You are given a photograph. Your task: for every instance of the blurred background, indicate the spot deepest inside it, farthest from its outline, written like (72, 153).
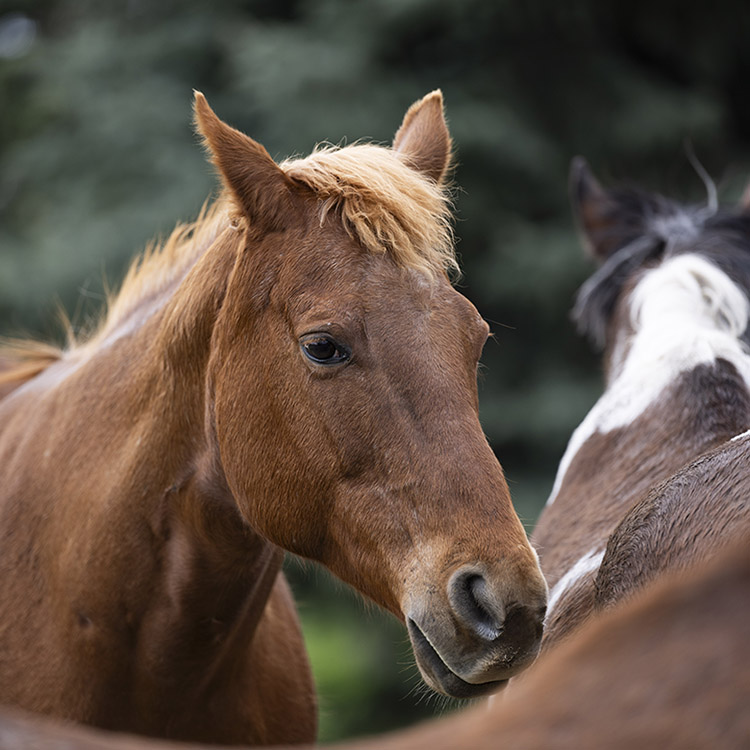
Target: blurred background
(98, 156)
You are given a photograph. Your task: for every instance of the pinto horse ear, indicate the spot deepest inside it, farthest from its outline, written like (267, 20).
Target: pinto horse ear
(423, 138)
(594, 210)
(259, 186)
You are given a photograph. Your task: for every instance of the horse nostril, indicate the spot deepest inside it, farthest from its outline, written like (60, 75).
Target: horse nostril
(474, 604)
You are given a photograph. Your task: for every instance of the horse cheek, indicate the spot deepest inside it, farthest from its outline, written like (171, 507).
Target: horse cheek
(271, 469)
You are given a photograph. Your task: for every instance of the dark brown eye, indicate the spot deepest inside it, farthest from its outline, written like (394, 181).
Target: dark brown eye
(323, 350)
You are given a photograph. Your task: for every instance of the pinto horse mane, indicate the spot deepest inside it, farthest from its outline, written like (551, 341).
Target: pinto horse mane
(381, 201)
(654, 228)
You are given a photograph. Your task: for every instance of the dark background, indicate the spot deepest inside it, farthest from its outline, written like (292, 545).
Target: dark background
(97, 156)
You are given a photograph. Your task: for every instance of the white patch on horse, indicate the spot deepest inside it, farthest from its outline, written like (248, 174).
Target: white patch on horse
(742, 435)
(684, 313)
(585, 565)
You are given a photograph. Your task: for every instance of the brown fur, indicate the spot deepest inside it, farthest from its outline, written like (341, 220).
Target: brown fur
(603, 485)
(670, 669)
(688, 518)
(153, 470)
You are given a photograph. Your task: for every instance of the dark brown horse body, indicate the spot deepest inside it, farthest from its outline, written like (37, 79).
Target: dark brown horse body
(670, 305)
(669, 669)
(293, 371)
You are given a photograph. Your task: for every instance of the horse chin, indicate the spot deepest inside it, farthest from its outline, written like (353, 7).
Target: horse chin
(439, 676)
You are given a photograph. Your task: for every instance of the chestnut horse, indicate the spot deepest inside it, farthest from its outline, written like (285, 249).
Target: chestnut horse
(669, 669)
(669, 305)
(295, 372)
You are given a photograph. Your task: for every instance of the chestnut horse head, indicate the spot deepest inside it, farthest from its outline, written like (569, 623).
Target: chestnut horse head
(342, 394)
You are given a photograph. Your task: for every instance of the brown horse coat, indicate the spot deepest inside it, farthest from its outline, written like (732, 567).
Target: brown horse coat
(688, 518)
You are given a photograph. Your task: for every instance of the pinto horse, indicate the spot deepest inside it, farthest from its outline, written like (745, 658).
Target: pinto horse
(669, 669)
(293, 371)
(669, 306)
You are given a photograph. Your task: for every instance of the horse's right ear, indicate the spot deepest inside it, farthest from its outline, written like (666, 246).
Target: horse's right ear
(423, 139)
(595, 212)
(259, 186)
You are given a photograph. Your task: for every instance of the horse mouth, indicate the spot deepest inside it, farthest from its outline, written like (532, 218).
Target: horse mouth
(438, 675)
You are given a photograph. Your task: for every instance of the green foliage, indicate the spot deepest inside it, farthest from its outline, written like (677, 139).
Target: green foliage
(97, 156)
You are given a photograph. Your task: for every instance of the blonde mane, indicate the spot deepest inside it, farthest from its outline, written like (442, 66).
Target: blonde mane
(160, 266)
(382, 202)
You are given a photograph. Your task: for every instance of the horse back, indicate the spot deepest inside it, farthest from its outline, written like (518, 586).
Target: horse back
(615, 477)
(682, 521)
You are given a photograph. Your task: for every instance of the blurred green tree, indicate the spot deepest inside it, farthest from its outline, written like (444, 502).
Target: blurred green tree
(97, 156)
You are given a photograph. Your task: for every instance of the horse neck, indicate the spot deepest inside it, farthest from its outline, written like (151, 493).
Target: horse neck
(218, 572)
(164, 346)
(177, 414)
(118, 432)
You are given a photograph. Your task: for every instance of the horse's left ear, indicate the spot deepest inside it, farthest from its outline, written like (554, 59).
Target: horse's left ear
(423, 138)
(260, 187)
(597, 215)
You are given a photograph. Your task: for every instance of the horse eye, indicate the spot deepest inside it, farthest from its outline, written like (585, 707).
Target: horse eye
(323, 350)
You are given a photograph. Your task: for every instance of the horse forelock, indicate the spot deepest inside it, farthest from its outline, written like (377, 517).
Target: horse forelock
(383, 203)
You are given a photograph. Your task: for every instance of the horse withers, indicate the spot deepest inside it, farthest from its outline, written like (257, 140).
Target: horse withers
(292, 371)
(669, 307)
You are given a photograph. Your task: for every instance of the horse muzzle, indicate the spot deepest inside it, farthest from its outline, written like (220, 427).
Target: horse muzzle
(480, 637)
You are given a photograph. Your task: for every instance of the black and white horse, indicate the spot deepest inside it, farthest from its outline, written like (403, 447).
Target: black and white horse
(669, 307)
